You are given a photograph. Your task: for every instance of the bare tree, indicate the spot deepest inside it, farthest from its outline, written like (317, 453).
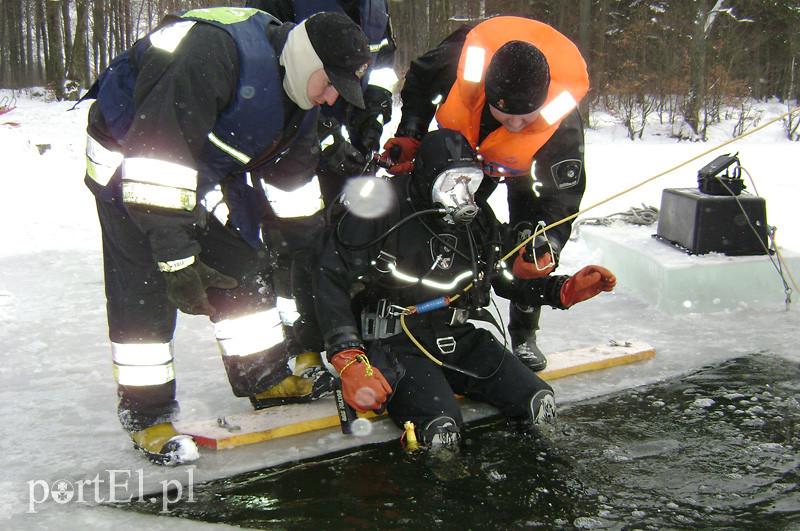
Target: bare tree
(55, 46)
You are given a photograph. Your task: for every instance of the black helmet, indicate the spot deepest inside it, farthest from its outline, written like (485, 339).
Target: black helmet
(447, 173)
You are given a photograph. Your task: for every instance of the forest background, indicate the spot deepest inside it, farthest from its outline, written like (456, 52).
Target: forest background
(687, 63)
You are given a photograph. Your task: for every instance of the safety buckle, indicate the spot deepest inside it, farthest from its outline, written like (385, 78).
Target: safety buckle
(384, 262)
(385, 310)
(541, 240)
(446, 345)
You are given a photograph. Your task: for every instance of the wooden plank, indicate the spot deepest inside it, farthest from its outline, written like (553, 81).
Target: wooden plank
(284, 421)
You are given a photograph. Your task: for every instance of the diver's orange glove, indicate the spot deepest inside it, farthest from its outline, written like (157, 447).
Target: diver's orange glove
(363, 386)
(586, 283)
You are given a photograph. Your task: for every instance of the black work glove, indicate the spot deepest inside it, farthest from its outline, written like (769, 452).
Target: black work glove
(186, 288)
(367, 124)
(342, 159)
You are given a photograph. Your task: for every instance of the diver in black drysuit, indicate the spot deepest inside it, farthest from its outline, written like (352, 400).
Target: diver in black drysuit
(366, 271)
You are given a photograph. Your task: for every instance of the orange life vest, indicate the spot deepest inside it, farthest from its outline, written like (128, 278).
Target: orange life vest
(462, 109)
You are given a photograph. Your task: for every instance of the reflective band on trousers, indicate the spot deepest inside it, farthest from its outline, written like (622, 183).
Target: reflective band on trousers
(169, 37)
(300, 202)
(249, 334)
(140, 364)
(101, 163)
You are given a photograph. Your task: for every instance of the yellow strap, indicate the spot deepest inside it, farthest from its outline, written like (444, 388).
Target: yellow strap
(361, 358)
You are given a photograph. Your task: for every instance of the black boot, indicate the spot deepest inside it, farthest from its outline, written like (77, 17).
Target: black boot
(522, 326)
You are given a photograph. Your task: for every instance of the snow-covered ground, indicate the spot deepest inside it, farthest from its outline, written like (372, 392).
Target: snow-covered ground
(57, 394)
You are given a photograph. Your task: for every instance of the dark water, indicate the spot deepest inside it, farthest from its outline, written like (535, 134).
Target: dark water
(716, 449)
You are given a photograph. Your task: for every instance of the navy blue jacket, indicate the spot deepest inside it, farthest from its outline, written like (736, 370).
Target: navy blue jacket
(222, 86)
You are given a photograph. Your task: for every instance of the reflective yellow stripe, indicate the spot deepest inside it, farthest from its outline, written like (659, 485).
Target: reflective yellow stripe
(169, 37)
(326, 142)
(233, 152)
(160, 172)
(373, 48)
(141, 353)
(249, 334)
(175, 265)
(135, 375)
(101, 163)
(300, 202)
(158, 196)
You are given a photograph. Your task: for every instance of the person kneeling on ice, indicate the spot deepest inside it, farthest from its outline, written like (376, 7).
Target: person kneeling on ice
(414, 276)
(225, 99)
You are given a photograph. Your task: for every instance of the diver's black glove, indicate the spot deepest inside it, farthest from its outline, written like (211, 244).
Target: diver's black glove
(341, 158)
(186, 287)
(367, 124)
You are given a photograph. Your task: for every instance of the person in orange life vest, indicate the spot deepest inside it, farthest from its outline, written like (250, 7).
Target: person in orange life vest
(511, 86)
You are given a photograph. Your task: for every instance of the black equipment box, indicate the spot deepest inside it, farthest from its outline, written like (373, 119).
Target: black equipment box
(700, 223)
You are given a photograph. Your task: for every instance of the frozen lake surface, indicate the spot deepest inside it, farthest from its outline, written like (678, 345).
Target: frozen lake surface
(57, 394)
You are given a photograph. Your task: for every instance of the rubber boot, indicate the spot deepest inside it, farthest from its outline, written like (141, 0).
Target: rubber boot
(161, 444)
(309, 381)
(522, 326)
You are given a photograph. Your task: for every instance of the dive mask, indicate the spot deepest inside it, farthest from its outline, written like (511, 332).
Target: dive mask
(455, 189)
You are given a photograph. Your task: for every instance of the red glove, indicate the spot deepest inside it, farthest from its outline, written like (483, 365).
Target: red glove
(363, 386)
(586, 283)
(527, 270)
(399, 152)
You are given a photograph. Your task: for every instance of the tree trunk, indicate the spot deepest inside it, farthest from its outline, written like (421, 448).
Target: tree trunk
(41, 41)
(697, 61)
(30, 73)
(65, 16)
(56, 47)
(99, 37)
(79, 66)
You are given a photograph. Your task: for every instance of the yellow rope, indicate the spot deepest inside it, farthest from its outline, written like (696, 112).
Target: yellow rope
(642, 183)
(362, 358)
(785, 265)
(602, 202)
(417, 343)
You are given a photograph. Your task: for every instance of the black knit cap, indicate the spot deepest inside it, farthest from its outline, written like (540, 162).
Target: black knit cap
(344, 51)
(517, 78)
